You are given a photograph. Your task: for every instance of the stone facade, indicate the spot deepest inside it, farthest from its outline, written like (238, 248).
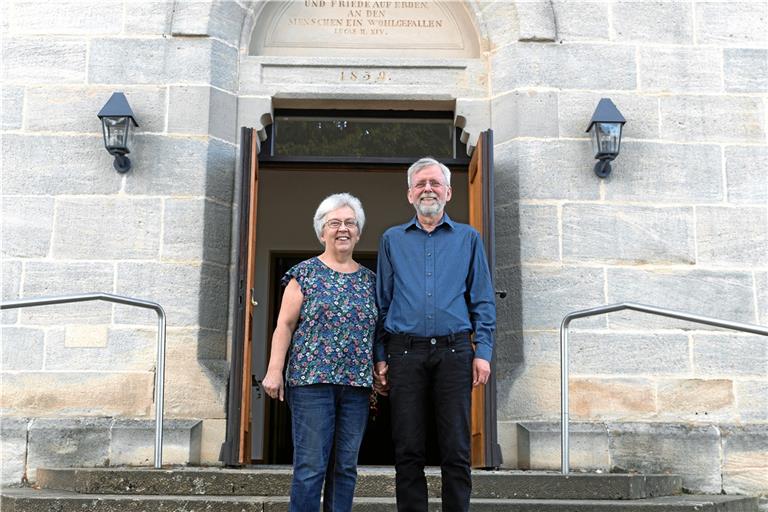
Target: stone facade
(682, 222)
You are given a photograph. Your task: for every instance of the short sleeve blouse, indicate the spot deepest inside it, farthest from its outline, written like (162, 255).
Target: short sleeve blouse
(333, 340)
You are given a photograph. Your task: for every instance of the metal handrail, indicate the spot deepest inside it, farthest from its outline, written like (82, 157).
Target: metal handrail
(160, 363)
(601, 310)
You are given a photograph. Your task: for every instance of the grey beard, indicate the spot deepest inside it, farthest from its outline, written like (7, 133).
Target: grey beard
(429, 210)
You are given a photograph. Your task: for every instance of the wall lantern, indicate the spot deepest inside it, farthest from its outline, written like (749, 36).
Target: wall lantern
(116, 119)
(606, 125)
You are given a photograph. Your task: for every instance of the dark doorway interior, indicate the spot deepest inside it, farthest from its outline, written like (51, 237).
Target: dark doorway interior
(377, 448)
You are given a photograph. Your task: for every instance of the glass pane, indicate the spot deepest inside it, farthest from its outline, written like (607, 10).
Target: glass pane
(363, 137)
(115, 131)
(609, 136)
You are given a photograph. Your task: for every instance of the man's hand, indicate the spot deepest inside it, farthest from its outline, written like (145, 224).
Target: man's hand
(380, 383)
(481, 370)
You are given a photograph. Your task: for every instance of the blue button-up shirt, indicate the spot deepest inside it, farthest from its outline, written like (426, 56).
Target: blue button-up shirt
(434, 284)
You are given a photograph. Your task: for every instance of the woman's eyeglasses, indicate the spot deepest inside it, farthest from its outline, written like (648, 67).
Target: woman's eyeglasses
(336, 224)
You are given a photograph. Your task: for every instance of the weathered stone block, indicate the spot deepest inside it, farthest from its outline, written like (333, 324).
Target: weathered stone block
(148, 17)
(193, 345)
(718, 294)
(74, 108)
(111, 227)
(652, 22)
(12, 104)
(538, 445)
(745, 70)
(732, 235)
(132, 442)
(513, 112)
(628, 234)
(746, 170)
(747, 174)
(752, 399)
(666, 172)
(41, 394)
(189, 167)
(545, 170)
(214, 430)
(611, 398)
(728, 355)
(43, 60)
(13, 450)
(571, 66)
(70, 17)
(761, 285)
(502, 23)
(696, 400)
(126, 350)
(532, 393)
(731, 23)
(527, 233)
(220, 19)
(211, 243)
(679, 69)
(197, 391)
(22, 349)
(190, 294)
(11, 285)
(745, 464)
(536, 19)
(692, 452)
(60, 443)
(549, 293)
(78, 165)
(202, 110)
(575, 109)
(83, 336)
(581, 21)
(157, 61)
(26, 226)
(712, 119)
(608, 353)
(44, 279)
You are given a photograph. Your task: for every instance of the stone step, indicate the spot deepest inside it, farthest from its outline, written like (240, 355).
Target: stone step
(372, 482)
(34, 500)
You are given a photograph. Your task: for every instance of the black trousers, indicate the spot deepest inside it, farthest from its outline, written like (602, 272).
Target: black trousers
(436, 371)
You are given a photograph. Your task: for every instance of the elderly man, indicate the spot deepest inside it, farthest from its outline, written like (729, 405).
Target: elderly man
(434, 290)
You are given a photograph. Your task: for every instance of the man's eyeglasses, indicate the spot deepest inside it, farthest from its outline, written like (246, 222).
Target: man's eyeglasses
(433, 184)
(336, 224)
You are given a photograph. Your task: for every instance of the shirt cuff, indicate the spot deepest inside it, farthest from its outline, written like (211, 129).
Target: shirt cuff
(483, 351)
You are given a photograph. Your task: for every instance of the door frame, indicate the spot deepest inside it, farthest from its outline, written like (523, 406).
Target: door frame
(241, 381)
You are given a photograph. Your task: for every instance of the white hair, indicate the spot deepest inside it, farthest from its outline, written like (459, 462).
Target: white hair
(334, 202)
(427, 162)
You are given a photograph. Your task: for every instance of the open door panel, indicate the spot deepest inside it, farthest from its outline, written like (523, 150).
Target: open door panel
(485, 449)
(236, 449)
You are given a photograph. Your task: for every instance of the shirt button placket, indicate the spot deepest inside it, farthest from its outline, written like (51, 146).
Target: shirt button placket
(429, 251)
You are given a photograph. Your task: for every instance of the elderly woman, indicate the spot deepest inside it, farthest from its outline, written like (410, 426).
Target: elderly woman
(326, 327)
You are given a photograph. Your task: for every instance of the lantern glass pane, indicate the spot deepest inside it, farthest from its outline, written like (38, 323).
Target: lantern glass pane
(607, 138)
(116, 132)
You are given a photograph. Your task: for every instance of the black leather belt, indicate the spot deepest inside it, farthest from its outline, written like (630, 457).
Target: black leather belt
(440, 341)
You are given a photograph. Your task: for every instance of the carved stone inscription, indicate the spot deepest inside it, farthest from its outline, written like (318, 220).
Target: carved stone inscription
(364, 27)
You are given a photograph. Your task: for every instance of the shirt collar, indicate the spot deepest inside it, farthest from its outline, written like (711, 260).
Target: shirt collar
(414, 222)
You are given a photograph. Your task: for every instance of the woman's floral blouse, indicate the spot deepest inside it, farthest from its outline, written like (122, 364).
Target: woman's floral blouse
(333, 341)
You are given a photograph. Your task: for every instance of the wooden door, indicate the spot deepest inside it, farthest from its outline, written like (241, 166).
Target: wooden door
(485, 448)
(237, 447)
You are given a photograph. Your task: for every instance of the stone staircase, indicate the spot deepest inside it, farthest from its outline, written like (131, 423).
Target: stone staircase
(189, 489)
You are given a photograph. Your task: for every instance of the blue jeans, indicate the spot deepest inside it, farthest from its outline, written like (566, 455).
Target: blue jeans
(328, 422)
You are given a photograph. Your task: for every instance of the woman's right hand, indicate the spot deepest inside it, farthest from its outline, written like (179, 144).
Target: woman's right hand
(273, 384)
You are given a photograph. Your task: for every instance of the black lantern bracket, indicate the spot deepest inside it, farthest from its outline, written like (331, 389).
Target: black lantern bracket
(117, 122)
(605, 129)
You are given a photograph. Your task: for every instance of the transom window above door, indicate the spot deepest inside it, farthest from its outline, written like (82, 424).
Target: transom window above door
(362, 137)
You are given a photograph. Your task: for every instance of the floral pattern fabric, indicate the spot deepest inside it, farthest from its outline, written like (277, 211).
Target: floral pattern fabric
(333, 340)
